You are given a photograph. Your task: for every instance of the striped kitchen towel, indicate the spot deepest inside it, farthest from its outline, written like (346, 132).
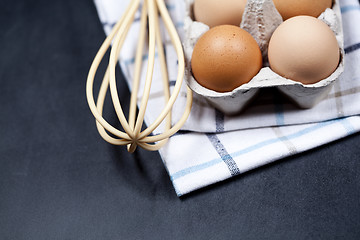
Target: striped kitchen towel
(211, 146)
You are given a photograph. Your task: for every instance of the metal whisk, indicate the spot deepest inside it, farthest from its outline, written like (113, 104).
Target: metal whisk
(132, 135)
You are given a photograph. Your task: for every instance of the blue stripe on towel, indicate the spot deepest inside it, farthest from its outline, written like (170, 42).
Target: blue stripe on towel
(348, 126)
(195, 168)
(172, 83)
(132, 60)
(108, 24)
(170, 7)
(225, 156)
(284, 138)
(219, 120)
(279, 109)
(179, 24)
(352, 48)
(350, 8)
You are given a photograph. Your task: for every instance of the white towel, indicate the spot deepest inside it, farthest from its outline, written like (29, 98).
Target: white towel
(212, 147)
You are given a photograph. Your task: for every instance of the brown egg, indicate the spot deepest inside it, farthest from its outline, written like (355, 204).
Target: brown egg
(292, 8)
(225, 57)
(303, 49)
(219, 12)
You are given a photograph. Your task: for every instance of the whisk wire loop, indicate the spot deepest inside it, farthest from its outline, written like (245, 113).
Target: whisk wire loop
(133, 136)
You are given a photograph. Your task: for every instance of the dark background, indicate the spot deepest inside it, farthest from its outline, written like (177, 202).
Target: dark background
(60, 180)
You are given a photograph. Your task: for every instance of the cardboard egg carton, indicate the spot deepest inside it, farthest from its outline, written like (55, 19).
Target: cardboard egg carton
(260, 19)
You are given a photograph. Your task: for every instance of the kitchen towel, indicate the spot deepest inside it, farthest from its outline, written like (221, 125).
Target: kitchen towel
(211, 146)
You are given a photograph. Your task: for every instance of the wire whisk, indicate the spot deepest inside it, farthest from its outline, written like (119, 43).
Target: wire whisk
(133, 136)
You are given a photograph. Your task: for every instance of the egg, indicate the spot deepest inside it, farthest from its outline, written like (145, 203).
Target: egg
(303, 49)
(224, 58)
(219, 12)
(292, 8)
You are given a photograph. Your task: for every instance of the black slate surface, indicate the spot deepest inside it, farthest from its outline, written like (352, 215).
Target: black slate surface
(60, 180)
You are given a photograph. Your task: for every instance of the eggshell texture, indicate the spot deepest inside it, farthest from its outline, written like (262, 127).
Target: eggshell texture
(292, 8)
(303, 49)
(219, 12)
(224, 58)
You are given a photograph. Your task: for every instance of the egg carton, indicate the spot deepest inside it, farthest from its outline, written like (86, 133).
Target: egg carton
(260, 19)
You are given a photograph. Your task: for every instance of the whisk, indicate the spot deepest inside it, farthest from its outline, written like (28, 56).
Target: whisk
(133, 136)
